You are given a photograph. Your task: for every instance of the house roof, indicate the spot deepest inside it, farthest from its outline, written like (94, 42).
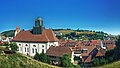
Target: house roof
(59, 51)
(88, 59)
(27, 36)
(109, 47)
(99, 54)
(90, 48)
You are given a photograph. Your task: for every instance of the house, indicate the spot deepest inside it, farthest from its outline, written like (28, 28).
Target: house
(36, 40)
(58, 33)
(87, 50)
(109, 44)
(56, 53)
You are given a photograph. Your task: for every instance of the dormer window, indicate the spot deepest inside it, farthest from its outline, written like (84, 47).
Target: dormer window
(85, 50)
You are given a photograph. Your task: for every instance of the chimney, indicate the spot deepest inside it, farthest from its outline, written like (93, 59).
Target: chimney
(17, 30)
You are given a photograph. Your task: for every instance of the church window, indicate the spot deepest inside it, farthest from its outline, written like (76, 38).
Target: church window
(19, 44)
(36, 50)
(32, 50)
(43, 50)
(25, 49)
(34, 45)
(26, 45)
(42, 45)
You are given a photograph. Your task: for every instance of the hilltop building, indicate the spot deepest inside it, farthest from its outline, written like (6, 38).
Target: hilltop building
(36, 40)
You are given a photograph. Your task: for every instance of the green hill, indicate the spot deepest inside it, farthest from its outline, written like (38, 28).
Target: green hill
(65, 31)
(21, 61)
(9, 33)
(111, 65)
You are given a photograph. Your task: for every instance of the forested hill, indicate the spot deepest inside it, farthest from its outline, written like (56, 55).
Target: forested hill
(9, 33)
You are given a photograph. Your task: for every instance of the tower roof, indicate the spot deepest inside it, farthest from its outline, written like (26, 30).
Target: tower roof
(38, 18)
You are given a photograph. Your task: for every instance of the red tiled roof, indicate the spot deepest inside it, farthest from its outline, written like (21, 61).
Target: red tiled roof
(27, 36)
(109, 47)
(88, 59)
(95, 42)
(59, 51)
(90, 48)
(99, 54)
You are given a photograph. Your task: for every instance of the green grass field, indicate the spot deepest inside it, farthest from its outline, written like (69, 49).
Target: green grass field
(111, 65)
(21, 61)
(65, 31)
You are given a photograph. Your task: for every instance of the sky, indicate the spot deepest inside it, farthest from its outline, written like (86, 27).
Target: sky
(98, 15)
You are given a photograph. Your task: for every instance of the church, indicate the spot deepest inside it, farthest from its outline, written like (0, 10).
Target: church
(36, 40)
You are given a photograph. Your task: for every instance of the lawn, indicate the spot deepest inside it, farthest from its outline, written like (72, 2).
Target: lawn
(65, 31)
(21, 61)
(111, 65)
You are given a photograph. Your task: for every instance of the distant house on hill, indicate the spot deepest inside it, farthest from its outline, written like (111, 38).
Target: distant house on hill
(36, 40)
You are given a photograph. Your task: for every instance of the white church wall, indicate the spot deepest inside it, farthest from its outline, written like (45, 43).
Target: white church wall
(32, 48)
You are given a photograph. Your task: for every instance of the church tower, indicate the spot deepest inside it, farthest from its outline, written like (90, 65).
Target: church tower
(38, 28)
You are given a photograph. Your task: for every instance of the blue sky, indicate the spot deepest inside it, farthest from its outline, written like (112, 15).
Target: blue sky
(100, 15)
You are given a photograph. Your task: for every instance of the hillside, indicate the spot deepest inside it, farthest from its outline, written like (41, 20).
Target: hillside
(111, 65)
(9, 33)
(65, 31)
(21, 61)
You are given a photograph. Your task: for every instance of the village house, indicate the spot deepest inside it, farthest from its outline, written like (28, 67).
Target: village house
(36, 40)
(87, 50)
(56, 53)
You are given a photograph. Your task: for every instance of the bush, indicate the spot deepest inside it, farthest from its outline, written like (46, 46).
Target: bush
(103, 61)
(13, 46)
(76, 66)
(43, 57)
(37, 56)
(66, 61)
(5, 44)
(96, 61)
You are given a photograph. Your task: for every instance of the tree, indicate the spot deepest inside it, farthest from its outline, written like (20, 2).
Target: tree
(6, 44)
(66, 61)
(103, 61)
(37, 56)
(43, 57)
(114, 53)
(96, 61)
(76, 66)
(13, 46)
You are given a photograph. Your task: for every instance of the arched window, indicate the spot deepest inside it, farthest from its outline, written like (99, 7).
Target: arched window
(32, 50)
(19, 44)
(26, 45)
(36, 50)
(34, 45)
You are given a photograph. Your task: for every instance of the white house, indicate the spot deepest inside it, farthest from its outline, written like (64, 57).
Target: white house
(36, 40)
